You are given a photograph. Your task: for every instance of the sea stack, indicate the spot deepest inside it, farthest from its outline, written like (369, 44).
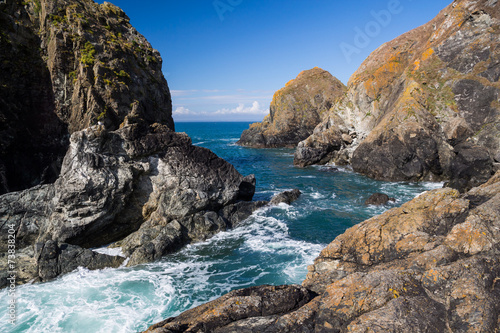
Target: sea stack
(295, 110)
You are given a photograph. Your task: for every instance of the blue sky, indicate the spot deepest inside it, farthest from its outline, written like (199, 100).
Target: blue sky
(224, 59)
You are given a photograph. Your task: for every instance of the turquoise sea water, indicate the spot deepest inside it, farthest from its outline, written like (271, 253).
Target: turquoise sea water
(273, 246)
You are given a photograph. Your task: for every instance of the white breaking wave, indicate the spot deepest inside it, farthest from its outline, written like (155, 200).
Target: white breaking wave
(131, 299)
(117, 251)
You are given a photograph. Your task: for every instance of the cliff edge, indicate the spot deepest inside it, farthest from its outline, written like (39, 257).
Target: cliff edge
(67, 65)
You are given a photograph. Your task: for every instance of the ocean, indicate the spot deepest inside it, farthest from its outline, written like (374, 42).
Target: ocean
(274, 246)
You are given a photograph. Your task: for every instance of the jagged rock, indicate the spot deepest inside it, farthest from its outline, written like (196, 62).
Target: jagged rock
(54, 259)
(378, 199)
(262, 301)
(295, 110)
(326, 144)
(145, 187)
(471, 166)
(418, 97)
(286, 197)
(431, 265)
(65, 66)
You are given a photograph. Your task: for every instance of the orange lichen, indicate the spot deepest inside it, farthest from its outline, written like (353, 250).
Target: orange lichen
(427, 54)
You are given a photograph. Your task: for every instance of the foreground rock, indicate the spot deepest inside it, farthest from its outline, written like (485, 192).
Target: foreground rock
(423, 106)
(263, 301)
(378, 199)
(145, 187)
(65, 66)
(431, 265)
(295, 110)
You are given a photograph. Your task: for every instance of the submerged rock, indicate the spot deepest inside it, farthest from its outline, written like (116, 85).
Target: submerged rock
(416, 99)
(378, 199)
(295, 110)
(431, 265)
(286, 197)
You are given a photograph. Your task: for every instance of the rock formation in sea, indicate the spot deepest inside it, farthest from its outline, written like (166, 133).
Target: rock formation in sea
(431, 265)
(87, 121)
(295, 110)
(423, 106)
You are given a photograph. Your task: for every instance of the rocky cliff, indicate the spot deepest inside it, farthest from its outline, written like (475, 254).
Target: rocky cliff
(86, 117)
(431, 265)
(65, 66)
(423, 106)
(295, 110)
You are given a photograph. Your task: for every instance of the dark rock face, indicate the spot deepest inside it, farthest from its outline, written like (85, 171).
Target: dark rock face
(56, 259)
(328, 143)
(65, 66)
(378, 199)
(295, 110)
(286, 197)
(416, 98)
(471, 166)
(431, 265)
(145, 187)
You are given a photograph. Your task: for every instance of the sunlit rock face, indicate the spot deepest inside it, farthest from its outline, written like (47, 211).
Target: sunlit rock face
(295, 110)
(423, 106)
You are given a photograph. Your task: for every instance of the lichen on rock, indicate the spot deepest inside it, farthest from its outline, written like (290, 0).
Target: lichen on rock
(417, 100)
(431, 265)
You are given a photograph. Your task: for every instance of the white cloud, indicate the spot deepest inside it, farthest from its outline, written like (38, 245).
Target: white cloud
(182, 110)
(241, 109)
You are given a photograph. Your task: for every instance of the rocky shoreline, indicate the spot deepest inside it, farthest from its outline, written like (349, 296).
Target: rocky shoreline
(103, 166)
(431, 265)
(422, 107)
(121, 176)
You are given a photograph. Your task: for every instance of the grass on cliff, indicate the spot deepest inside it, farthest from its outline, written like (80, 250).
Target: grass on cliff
(88, 54)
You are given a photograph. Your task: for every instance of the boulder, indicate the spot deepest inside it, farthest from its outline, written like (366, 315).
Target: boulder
(378, 199)
(295, 110)
(285, 197)
(261, 301)
(54, 259)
